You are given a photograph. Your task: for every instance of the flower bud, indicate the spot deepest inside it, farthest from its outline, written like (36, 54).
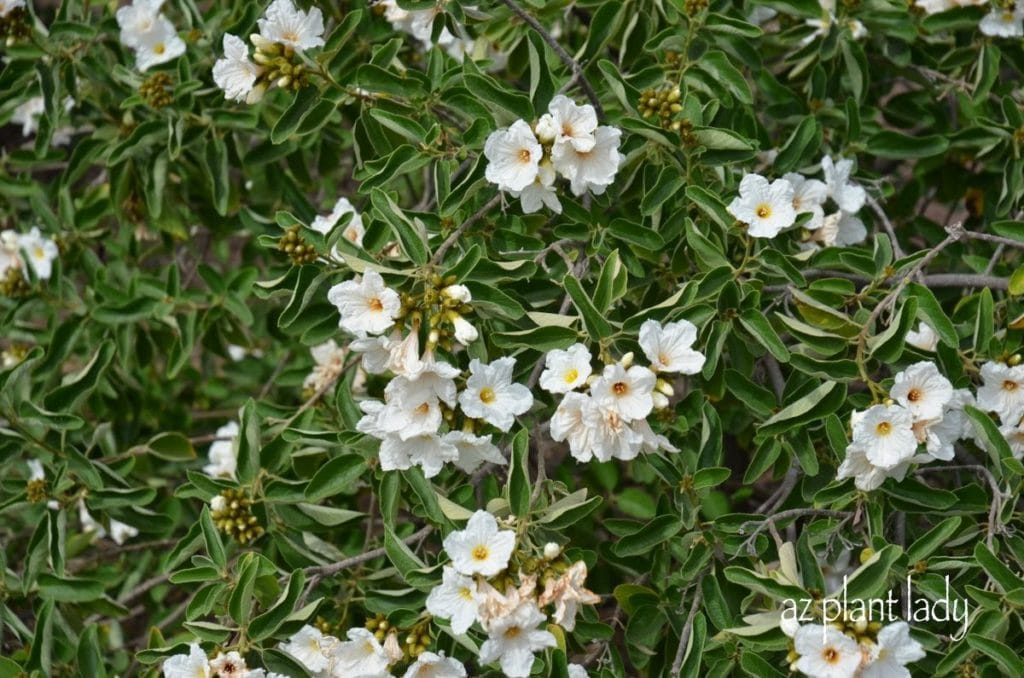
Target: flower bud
(546, 129)
(627, 360)
(660, 401)
(465, 333)
(459, 293)
(218, 504)
(662, 386)
(552, 550)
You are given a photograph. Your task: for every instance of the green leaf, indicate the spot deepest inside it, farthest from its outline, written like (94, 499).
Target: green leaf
(248, 442)
(519, 475)
(304, 101)
(648, 537)
(80, 384)
(763, 584)
(822, 401)
(593, 320)
(758, 326)
(68, 589)
(890, 144)
(996, 569)
(1003, 655)
(264, 625)
(400, 555)
(334, 477)
(171, 446)
(929, 310)
(241, 601)
(411, 238)
(992, 440)
(214, 545)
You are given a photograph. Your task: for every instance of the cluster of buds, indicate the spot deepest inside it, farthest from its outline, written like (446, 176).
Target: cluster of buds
(157, 90)
(695, 7)
(443, 305)
(35, 490)
(14, 284)
(12, 355)
(15, 26)
(662, 103)
(550, 566)
(295, 246)
(280, 65)
(328, 628)
(231, 511)
(416, 638)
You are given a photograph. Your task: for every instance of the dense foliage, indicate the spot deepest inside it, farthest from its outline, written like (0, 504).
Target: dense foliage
(489, 337)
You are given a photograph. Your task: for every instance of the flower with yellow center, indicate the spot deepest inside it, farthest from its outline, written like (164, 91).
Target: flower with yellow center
(766, 208)
(886, 435)
(566, 370)
(481, 548)
(454, 599)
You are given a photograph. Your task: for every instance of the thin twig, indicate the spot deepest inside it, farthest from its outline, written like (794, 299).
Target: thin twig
(887, 225)
(997, 494)
(334, 568)
(786, 515)
(566, 58)
(457, 233)
(684, 637)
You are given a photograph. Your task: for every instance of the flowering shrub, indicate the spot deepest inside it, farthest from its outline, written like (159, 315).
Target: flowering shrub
(508, 337)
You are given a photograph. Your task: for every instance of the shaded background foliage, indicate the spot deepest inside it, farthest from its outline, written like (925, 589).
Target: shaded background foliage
(168, 220)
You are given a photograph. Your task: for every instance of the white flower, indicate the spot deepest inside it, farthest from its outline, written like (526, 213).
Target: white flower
(89, 524)
(628, 392)
(885, 434)
(361, 656)
(566, 370)
(430, 665)
(306, 647)
(540, 193)
(230, 665)
(490, 394)
(513, 157)
(40, 253)
(473, 450)
(1003, 23)
(840, 229)
(577, 671)
(1002, 391)
(7, 6)
(121, 532)
(427, 451)
(159, 45)
(567, 593)
(10, 251)
(940, 435)
(894, 650)
(465, 333)
(825, 652)
(923, 338)
(224, 452)
(867, 476)
(934, 6)
(330, 360)
(808, 197)
(191, 665)
(571, 423)
(923, 390)
(481, 548)
(849, 196)
(611, 435)
(376, 351)
(572, 124)
(136, 20)
(1014, 434)
(766, 208)
(35, 470)
(592, 170)
(284, 24)
(514, 638)
(651, 441)
(27, 115)
(354, 230)
(453, 599)
(367, 306)
(669, 347)
(235, 73)
(459, 293)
